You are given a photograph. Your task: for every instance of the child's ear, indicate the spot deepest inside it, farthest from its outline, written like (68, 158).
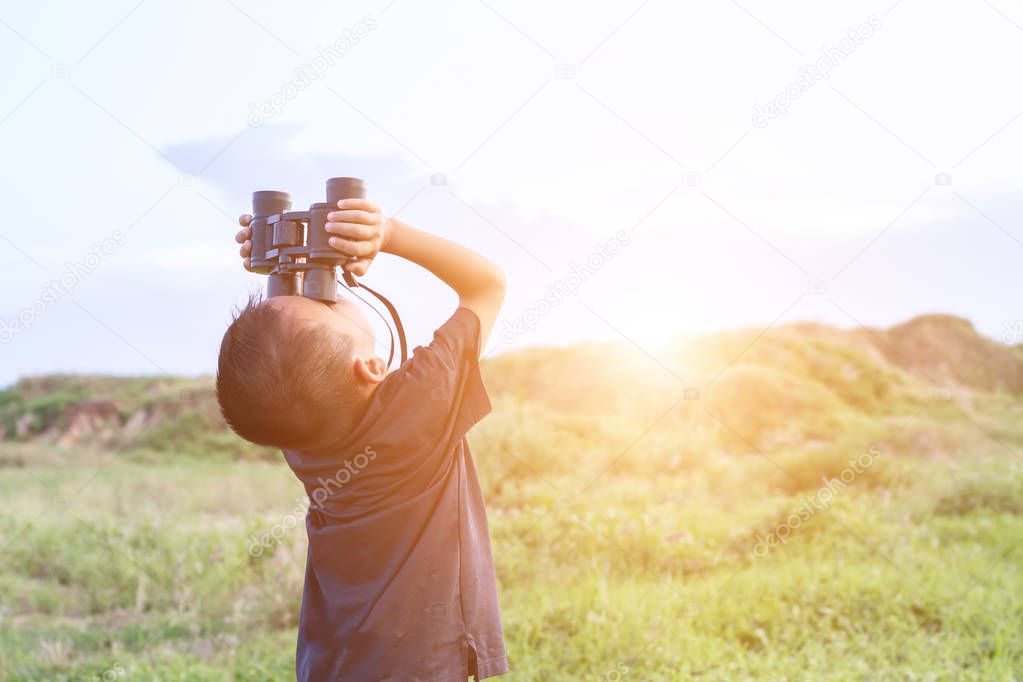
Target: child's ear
(371, 370)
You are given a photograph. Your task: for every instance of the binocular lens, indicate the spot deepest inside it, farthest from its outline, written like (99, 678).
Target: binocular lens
(344, 188)
(320, 250)
(265, 203)
(316, 277)
(269, 201)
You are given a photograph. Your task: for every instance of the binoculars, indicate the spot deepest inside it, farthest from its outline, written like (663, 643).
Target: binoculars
(292, 246)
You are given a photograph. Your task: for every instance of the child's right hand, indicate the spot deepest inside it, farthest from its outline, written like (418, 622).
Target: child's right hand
(244, 237)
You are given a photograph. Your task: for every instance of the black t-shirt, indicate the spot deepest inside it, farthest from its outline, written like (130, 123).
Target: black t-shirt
(399, 578)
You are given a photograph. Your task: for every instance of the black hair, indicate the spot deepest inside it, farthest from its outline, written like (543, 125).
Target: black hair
(281, 382)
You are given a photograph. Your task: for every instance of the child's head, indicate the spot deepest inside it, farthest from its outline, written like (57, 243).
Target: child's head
(295, 373)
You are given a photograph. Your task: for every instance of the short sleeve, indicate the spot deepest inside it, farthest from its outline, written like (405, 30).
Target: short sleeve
(440, 387)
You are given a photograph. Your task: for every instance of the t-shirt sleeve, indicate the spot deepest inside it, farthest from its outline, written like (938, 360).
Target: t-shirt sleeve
(441, 386)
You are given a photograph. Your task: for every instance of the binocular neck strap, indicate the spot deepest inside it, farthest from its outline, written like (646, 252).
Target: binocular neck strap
(353, 284)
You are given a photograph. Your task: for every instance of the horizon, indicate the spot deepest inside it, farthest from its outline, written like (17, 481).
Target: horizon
(649, 350)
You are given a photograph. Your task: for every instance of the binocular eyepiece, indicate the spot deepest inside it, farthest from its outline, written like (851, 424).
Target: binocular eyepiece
(292, 246)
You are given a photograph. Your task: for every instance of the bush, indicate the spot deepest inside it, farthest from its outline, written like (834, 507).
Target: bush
(994, 491)
(765, 406)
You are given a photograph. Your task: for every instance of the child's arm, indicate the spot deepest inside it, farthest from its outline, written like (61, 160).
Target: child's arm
(479, 283)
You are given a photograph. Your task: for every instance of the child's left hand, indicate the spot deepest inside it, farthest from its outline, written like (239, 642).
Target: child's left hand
(361, 233)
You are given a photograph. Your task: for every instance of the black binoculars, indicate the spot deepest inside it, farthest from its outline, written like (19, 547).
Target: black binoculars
(292, 246)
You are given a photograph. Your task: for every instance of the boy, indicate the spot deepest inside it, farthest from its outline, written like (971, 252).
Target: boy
(399, 574)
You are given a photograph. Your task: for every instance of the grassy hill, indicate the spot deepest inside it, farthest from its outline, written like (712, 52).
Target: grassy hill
(630, 497)
(786, 385)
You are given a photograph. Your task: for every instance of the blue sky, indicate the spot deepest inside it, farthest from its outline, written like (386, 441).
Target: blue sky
(888, 187)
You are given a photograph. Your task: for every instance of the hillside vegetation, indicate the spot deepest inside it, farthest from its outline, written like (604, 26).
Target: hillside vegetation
(789, 383)
(804, 503)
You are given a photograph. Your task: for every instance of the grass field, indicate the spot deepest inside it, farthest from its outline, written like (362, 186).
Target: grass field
(845, 520)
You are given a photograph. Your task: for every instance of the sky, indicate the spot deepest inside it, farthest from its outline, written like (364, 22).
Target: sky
(642, 170)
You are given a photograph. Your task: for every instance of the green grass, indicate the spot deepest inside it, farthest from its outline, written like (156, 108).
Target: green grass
(909, 573)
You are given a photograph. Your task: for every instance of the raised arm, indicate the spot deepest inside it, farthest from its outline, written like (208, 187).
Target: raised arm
(479, 283)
